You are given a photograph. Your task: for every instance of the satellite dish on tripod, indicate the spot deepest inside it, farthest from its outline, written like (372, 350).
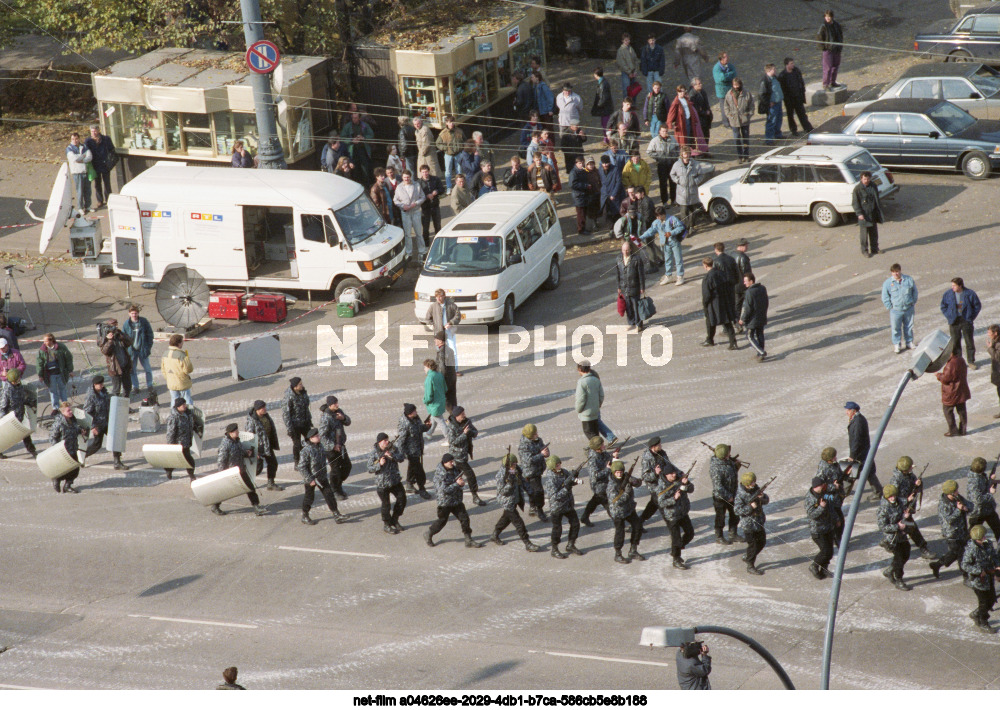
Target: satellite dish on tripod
(182, 297)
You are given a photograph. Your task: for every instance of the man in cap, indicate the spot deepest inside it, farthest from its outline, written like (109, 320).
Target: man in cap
(821, 524)
(672, 494)
(98, 406)
(181, 426)
(652, 467)
(952, 510)
(229, 676)
(296, 415)
(859, 444)
(312, 467)
(410, 440)
(510, 496)
(532, 451)
(907, 488)
(64, 429)
(383, 463)
(233, 455)
(693, 666)
(332, 420)
(558, 485)
(54, 364)
(621, 507)
(829, 470)
(444, 357)
(749, 505)
(260, 424)
(10, 358)
(448, 482)
(461, 432)
(599, 461)
(893, 518)
(981, 562)
(724, 472)
(14, 398)
(114, 345)
(980, 488)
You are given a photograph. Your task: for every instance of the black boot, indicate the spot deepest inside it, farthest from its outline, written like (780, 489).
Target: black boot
(935, 569)
(217, 510)
(191, 474)
(170, 473)
(586, 521)
(119, 466)
(752, 569)
(680, 564)
(55, 484)
(634, 554)
(397, 527)
(477, 500)
(469, 542)
(815, 571)
(734, 534)
(926, 553)
(619, 558)
(572, 549)
(899, 584)
(533, 511)
(428, 538)
(530, 546)
(68, 488)
(495, 539)
(408, 487)
(339, 517)
(272, 486)
(306, 520)
(388, 529)
(422, 493)
(259, 510)
(557, 554)
(542, 516)
(720, 538)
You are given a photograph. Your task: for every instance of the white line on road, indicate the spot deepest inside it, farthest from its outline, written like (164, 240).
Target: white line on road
(194, 621)
(21, 687)
(332, 552)
(604, 658)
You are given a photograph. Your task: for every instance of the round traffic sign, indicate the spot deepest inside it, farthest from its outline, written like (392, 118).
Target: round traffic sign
(263, 56)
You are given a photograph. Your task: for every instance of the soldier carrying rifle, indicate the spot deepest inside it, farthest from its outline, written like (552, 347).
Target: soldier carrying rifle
(510, 496)
(749, 505)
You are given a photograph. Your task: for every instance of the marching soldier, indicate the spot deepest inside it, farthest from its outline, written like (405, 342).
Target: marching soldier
(180, 430)
(980, 561)
(819, 512)
(952, 509)
(558, 485)
(98, 406)
(383, 462)
(410, 440)
(510, 496)
(14, 398)
(296, 415)
(907, 488)
(621, 507)
(532, 451)
(333, 438)
(313, 469)
(64, 428)
(829, 470)
(723, 471)
(599, 467)
(980, 489)
(448, 482)
(859, 443)
(893, 518)
(749, 505)
(260, 424)
(232, 454)
(654, 463)
(461, 432)
(675, 506)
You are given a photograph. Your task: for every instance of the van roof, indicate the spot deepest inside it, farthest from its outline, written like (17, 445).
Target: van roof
(305, 189)
(494, 212)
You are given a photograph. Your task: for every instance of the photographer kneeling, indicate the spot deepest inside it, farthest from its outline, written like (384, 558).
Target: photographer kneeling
(693, 666)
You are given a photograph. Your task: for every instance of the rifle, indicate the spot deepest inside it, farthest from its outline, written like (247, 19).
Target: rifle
(993, 472)
(734, 459)
(676, 483)
(392, 445)
(763, 488)
(620, 446)
(920, 492)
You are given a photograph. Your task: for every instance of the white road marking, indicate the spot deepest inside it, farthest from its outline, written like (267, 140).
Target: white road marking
(604, 658)
(815, 278)
(332, 552)
(21, 687)
(194, 621)
(764, 589)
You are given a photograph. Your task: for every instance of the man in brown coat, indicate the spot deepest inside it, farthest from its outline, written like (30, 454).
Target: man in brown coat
(114, 345)
(954, 379)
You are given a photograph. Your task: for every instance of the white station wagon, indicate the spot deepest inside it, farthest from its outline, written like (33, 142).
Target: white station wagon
(807, 180)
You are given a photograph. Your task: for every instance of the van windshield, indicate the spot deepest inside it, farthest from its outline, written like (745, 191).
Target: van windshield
(359, 220)
(471, 256)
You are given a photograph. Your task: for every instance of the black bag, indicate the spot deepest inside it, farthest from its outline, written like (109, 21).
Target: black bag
(646, 309)
(763, 105)
(112, 159)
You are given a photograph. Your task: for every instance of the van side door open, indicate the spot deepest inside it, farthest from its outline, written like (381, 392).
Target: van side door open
(269, 242)
(127, 248)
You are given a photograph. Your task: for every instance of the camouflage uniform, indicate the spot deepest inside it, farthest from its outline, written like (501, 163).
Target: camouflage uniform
(388, 482)
(905, 484)
(510, 496)
(331, 436)
(724, 481)
(14, 398)
(831, 473)
(621, 508)
(598, 469)
(752, 521)
(312, 467)
(231, 453)
(98, 406)
(180, 430)
(895, 540)
(984, 511)
(980, 561)
(459, 444)
(267, 441)
(675, 513)
(647, 471)
(449, 500)
(559, 490)
(529, 453)
(297, 418)
(954, 530)
(821, 527)
(411, 443)
(67, 431)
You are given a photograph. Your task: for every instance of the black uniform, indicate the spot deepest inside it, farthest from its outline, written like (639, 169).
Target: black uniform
(742, 267)
(267, 443)
(180, 430)
(312, 467)
(821, 528)
(333, 439)
(98, 406)
(411, 442)
(859, 442)
(64, 429)
(754, 316)
(460, 446)
(15, 398)
(388, 482)
(297, 418)
(868, 208)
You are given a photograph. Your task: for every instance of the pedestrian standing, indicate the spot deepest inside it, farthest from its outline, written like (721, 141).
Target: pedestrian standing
(859, 444)
(753, 315)
(516, 176)
(603, 105)
(688, 174)
(993, 348)
(770, 98)
(664, 150)
(468, 161)
(952, 512)
(10, 359)
(510, 496)
(448, 483)
(723, 469)
(446, 316)
(654, 109)
(689, 55)
(534, 125)
(176, 367)
(383, 464)
(718, 302)
(793, 87)
(407, 143)
(749, 505)
(980, 560)
(543, 99)
(627, 61)
(14, 398)
(241, 157)
(728, 266)
(435, 398)
(541, 176)
(737, 110)
(980, 489)
(636, 172)
(260, 424)
(702, 106)
(408, 198)
(621, 507)
(580, 187)
(430, 208)
(570, 106)
(723, 73)
(426, 146)
(233, 455)
(668, 231)
(461, 196)
(742, 267)
(450, 141)
(313, 468)
(867, 206)
(381, 196)
(485, 171)
(831, 38)
(960, 306)
(572, 143)
(954, 379)
(589, 399)
(359, 135)
(612, 190)
(79, 160)
(103, 159)
(410, 440)
(899, 296)
(821, 527)
(296, 415)
(558, 485)
(693, 666)
(64, 429)
(393, 161)
(461, 432)
(114, 345)
(445, 359)
(524, 96)
(652, 62)
(181, 428)
(683, 120)
(141, 332)
(54, 364)
(631, 276)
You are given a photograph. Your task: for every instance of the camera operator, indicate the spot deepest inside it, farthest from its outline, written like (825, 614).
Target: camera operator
(114, 345)
(693, 666)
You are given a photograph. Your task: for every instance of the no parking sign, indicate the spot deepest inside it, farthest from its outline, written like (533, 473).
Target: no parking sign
(263, 56)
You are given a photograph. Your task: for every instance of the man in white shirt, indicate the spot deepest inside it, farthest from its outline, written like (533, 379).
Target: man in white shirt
(78, 156)
(408, 198)
(570, 104)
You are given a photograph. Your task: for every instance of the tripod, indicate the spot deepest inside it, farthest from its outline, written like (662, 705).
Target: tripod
(11, 282)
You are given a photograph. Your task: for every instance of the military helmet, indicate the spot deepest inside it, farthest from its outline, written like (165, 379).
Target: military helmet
(904, 464)
(551, 461)
(977, 532)
(13, 376)
(722, 451)
(530, 431)
(978, 465)
(828, 454)
(749, 478)
(949, 487)
(890, 491)
(596, 443)
(510, 460)
(617, 465)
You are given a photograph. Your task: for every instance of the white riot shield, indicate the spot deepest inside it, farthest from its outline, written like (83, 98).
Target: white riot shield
(84, 422)
(249, 442)
(219, 487)
(195, 446)
(165, 456)
(117, 425)
(31, 418)
(13, 430)
(55, 461)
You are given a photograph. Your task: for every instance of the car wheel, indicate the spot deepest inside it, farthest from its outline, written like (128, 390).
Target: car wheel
(508, 312)
(351, 282)
(976, 165)
(959, 56)
(554, 276)
(721, 211)
(825, 215)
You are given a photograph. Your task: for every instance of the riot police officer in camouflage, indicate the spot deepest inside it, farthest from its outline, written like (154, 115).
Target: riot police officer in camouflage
(749, 505)
(598, 469)
(893, 518)
(621, 506)
(383, 463)
(723, 471)
(448, 482)
(532, 452)
(510, 496)
(558, 485)
(952, 510)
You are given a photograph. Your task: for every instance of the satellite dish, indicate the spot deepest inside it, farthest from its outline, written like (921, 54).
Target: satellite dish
(58, 210)
(182, 297)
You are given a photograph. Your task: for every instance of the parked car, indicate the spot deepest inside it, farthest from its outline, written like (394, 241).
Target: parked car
(975, 36)
(960, 7)
(918, 133)
(804, 180)
(970, 86)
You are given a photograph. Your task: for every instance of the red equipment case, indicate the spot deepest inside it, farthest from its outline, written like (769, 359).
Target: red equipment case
(266, 308)
(226, 305)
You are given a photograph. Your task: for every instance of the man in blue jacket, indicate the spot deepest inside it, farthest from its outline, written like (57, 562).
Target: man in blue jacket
(960, 306)
(141, 333)
(899, 295)
(544, 100)
(723, 74)
(652, 62)
(668, 231)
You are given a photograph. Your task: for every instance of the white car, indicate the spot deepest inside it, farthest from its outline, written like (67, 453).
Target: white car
(807, 180)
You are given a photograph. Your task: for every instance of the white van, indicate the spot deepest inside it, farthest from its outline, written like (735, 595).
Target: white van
(253, 228)
(492, 256)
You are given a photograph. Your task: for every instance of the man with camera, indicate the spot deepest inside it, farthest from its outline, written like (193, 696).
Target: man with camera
(114, 345)
(694, 666)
